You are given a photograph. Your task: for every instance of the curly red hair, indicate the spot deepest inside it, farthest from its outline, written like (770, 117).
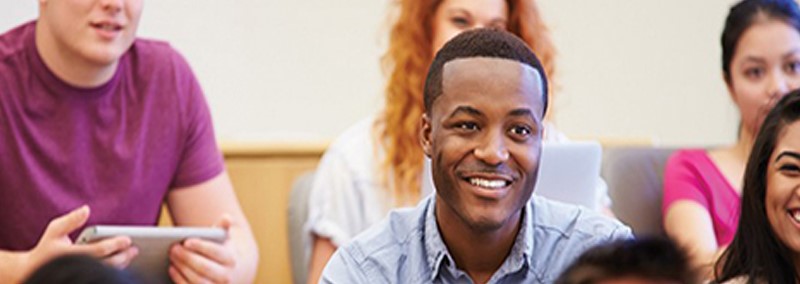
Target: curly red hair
(407, 60)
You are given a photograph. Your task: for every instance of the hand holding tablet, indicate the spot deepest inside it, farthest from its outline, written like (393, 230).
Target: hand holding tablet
(199, 261)
(153, 243)
(55, 241)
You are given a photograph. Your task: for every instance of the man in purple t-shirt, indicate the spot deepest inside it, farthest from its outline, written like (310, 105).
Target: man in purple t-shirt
(91, 117)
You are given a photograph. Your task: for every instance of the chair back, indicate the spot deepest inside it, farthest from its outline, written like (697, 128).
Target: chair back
(635, 184)
(298, 213)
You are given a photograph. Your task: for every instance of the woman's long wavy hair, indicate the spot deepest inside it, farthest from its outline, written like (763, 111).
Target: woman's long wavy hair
(756, 252)
(407, 60)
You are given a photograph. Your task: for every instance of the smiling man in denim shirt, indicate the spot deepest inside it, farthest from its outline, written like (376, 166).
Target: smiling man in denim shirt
(485, 98)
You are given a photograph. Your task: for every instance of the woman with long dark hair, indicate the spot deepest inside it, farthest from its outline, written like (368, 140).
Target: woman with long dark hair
(766, 248)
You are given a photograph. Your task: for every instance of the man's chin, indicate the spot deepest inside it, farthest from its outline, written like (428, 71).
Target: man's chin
(102, 60)
(486, 225)
(105, 55)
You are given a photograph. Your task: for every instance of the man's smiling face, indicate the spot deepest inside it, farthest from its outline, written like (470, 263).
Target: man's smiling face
(483, 134)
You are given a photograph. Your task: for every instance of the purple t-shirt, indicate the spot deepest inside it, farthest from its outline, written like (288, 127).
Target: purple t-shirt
(118, 147)
(691, 175)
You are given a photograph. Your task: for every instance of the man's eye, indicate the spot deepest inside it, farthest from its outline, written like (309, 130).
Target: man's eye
(793, 67)
(467, 126)
(521, 130)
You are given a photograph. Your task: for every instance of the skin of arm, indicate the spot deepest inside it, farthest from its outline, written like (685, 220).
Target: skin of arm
(690, 225)
(212, 203)
(14, 266)
(321, 252)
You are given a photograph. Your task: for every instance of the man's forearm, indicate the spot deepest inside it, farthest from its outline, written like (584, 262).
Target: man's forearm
(248, 256)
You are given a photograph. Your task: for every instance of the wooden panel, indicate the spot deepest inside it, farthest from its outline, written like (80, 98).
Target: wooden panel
(262, 175)
(263, 187)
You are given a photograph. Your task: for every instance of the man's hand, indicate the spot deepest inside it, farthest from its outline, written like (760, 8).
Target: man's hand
(55, 242)
(201, 261)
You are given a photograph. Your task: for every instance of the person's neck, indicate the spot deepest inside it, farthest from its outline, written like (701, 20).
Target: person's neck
(478, 253)
(69, 67)
(744, 145)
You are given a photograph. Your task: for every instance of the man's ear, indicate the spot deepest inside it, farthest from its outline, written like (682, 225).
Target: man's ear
(425, 135)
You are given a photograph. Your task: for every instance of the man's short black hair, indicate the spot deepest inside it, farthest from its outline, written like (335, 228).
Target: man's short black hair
(485, 42)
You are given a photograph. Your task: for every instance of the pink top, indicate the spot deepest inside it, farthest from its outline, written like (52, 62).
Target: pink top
(691, 175)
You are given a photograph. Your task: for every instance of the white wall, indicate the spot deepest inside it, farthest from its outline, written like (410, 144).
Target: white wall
(642, 68)
(289, 70)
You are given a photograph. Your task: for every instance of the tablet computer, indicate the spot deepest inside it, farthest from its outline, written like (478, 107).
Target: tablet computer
(152, 262)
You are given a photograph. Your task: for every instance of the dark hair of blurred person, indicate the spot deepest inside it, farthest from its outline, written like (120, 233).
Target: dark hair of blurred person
(651, 260)
(80, 269)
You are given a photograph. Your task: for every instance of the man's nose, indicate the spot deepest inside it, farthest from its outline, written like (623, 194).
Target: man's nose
(493, 150)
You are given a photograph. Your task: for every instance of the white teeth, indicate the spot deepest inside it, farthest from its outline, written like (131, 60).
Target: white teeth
(795, 214)
(487, 183)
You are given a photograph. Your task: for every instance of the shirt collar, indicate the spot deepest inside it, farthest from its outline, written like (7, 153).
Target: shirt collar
(436, 251)
(521, 252)
(438, 256)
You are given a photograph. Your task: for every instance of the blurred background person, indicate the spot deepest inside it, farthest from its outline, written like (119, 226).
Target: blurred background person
(702, 188)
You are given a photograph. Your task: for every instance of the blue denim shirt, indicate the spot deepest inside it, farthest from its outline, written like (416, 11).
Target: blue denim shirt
(406, 247)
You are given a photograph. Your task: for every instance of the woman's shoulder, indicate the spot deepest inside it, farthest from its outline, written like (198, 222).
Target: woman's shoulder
(690, 166)
(353, 150)
(690, 154)
(695, 158)
(357, 140)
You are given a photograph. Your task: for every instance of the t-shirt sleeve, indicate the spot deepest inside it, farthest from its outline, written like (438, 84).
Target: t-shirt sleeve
(344, 199)
(683, 180)
(200, 158)
(333, 200)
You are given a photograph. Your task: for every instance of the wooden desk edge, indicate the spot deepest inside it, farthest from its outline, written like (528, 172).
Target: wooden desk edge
(232, 149)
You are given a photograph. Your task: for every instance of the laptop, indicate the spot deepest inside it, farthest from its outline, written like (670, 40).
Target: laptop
(569, 172)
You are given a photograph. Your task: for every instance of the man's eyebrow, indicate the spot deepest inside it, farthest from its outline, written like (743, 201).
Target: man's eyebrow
(788, 153)
(466, 109)
(522, 112)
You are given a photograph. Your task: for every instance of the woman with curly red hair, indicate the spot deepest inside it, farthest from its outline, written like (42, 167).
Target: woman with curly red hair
(378, 164)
